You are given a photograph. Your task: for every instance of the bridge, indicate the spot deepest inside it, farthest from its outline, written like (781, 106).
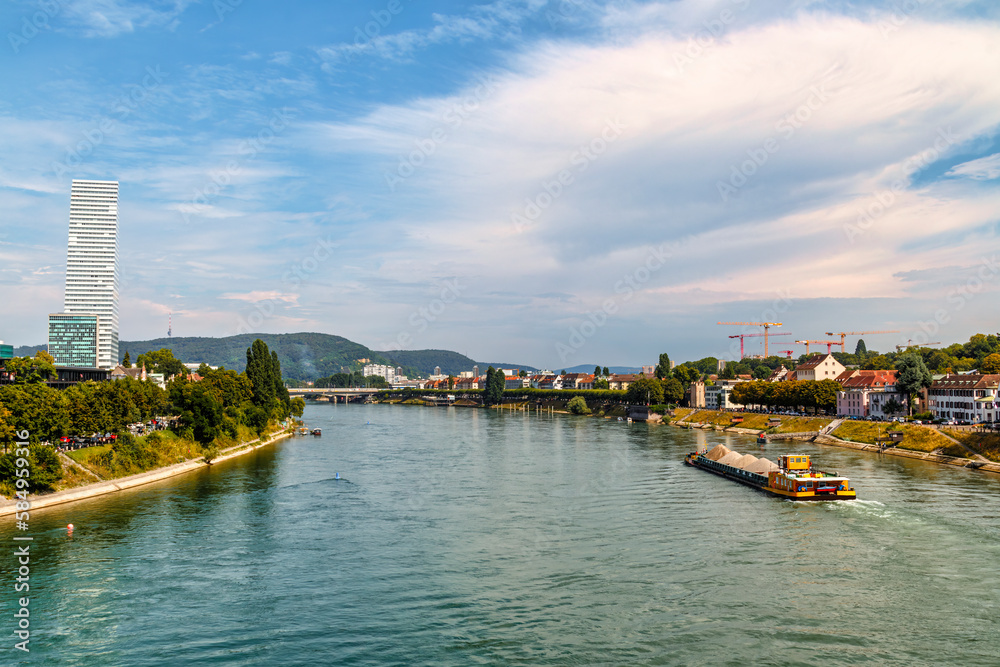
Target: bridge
(334, 394)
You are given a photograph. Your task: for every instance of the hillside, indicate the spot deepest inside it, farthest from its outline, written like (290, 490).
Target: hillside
(425, 360)
(303, 356)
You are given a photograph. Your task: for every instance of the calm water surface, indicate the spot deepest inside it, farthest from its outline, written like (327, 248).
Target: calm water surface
(467, 537)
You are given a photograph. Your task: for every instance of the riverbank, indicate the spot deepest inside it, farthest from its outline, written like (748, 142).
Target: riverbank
(102, 488)
(826, 428)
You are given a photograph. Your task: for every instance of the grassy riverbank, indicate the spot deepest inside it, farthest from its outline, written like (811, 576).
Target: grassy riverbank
(753, 420)
(986, 444)
(916, 438)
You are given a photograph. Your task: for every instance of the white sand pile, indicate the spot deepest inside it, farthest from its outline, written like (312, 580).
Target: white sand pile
(717, 452)
(745, 461)
(762, 466)
(730, 459)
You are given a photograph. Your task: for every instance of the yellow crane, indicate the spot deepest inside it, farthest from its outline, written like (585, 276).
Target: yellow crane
(910, 344)
(845, 334)
(766, 325)
(829, 344)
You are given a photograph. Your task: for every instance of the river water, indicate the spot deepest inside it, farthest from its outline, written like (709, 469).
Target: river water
(470, 537)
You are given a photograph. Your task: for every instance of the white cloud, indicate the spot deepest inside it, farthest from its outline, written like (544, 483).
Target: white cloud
(109, 18)
(256, 297)
(983, 169)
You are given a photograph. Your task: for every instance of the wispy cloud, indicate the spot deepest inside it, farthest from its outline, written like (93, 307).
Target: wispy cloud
(983, 169)
(497, 20)
(110, 18)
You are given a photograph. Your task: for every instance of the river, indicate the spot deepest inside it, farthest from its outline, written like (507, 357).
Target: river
(470, 537)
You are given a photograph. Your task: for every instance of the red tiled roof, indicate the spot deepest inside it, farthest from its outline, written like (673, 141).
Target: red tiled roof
(956, 381)
(811, 362)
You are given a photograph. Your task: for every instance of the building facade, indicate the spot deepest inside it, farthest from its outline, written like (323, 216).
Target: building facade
(972, 398)
(92, 261)
(819, 367)
(867, 393)
(717, 396)
(73, 339)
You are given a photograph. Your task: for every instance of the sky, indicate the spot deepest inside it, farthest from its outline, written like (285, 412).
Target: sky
(547, 182)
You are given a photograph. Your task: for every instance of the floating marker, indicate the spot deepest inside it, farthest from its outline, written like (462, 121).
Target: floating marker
(338, 476)
(69, 528)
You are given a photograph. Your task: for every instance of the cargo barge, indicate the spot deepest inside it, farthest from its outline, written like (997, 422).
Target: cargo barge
(792, 477)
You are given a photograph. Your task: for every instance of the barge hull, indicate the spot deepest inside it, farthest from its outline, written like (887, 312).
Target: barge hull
(759, 482)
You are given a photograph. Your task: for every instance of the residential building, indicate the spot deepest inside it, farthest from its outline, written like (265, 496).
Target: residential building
(119, 372)
(819, 367)
(468, 382)
(390, 373)
(622, 382)
(6, 351)
(92, 261)
(779, 374)
(866, 393)
(74, 339)
(717, 396)
(516, 382)
(972, 397)
(577, 381)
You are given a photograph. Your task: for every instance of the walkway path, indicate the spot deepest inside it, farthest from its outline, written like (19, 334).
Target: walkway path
(8, 506)
(974, 454)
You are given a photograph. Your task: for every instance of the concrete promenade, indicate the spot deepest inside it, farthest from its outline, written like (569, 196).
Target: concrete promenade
(8, 506)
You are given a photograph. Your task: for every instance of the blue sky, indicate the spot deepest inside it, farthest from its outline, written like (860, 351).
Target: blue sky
(547, 182)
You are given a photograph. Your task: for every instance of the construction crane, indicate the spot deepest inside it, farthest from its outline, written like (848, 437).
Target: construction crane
(787, 353)
(844, 334)
(910, 343)
(766, 325)
(756, 335)
(829, 344)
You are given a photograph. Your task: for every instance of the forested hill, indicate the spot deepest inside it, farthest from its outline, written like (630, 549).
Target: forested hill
(303, 356)
(426, 360)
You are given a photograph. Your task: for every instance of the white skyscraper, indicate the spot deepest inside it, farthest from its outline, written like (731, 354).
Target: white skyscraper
(92, 261)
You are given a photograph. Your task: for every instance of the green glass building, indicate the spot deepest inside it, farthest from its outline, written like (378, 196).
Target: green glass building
(73, 339)
(6, 351)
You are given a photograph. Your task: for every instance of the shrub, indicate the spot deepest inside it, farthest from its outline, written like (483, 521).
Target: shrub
(578, 406)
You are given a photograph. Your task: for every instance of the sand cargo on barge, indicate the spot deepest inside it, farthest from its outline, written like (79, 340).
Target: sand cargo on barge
(792, 477)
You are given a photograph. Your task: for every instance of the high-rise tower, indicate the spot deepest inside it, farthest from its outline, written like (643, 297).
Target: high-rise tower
(92, 261)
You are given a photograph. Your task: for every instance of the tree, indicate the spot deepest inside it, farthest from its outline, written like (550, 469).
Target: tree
(605, 372)
(892, 407)
(878, 362)
(663, 367)
(686, 374)
(261, 374)
(761, 372)
(991, 364)
(578, 406)
(860, 350)
(913, 376)
(602, 383)
(31, 370)
(645, 391)
(597, 372)
(161, 361)
(495, 383)
(127, 361)
(673, 390)
(522, 373)
(451, 382)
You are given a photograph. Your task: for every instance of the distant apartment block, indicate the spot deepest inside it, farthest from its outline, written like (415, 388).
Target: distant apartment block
(74, 339)
(92, 262)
